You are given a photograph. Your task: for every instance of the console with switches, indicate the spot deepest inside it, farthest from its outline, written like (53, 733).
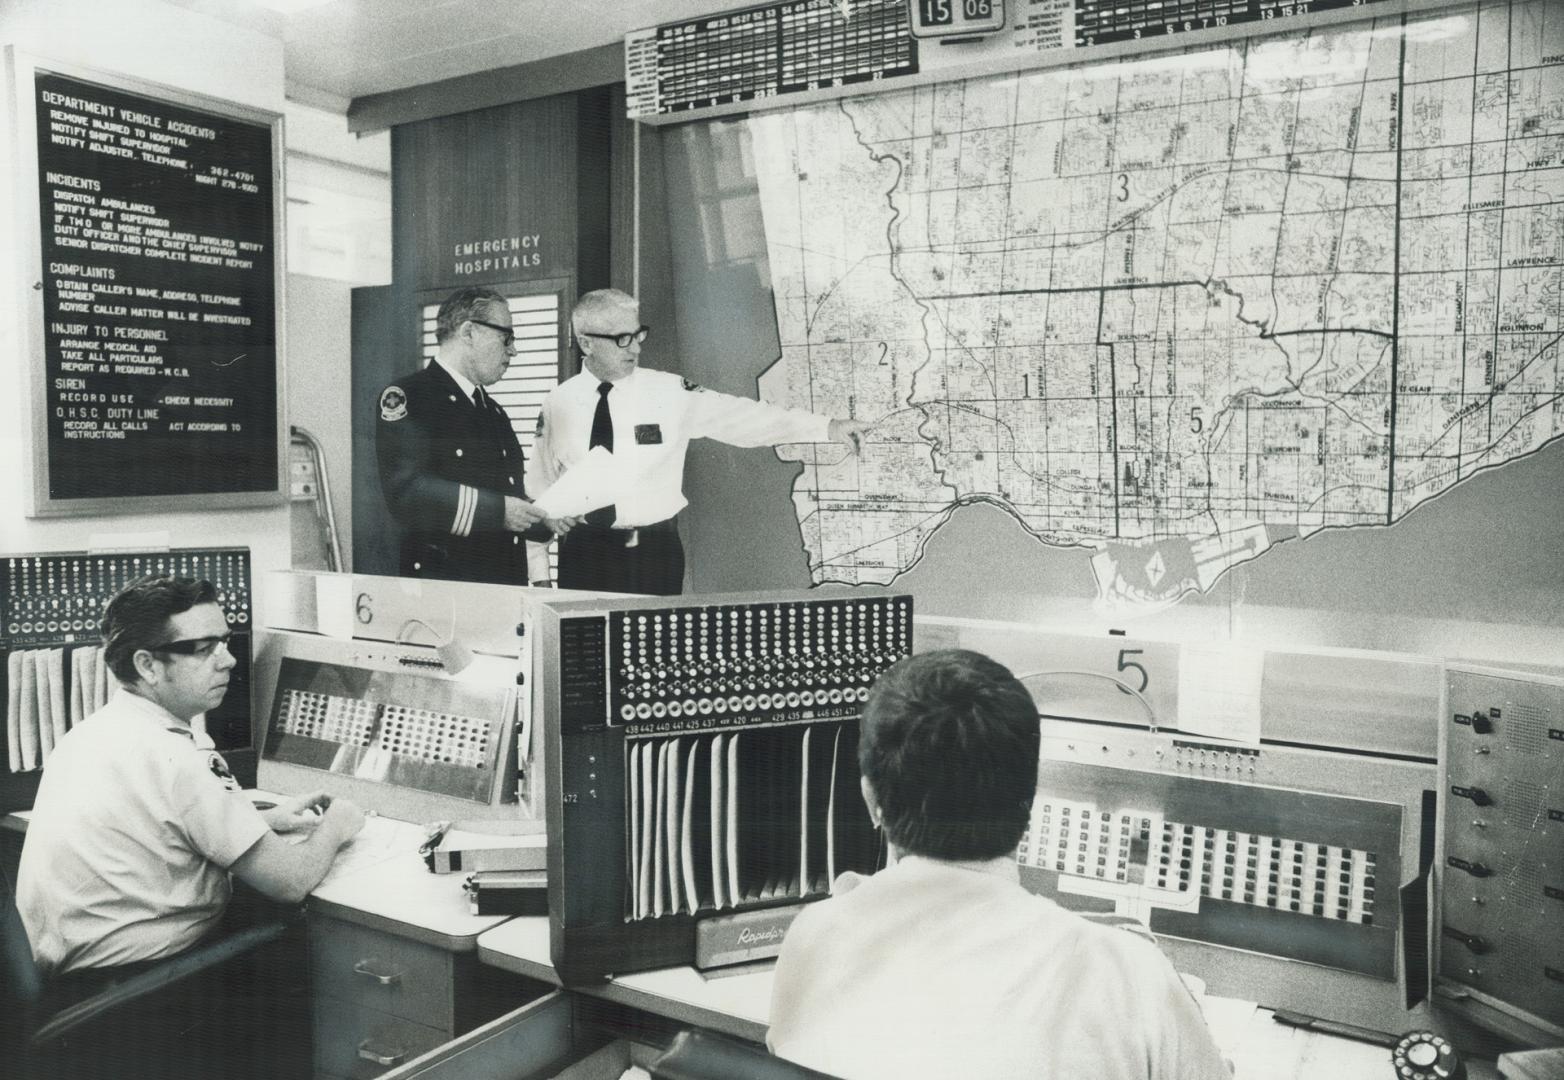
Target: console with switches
(1500, 941)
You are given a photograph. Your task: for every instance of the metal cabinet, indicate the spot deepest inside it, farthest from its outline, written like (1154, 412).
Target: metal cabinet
(380, 999)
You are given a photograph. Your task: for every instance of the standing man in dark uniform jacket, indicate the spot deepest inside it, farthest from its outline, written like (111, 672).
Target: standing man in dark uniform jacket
(450, 465)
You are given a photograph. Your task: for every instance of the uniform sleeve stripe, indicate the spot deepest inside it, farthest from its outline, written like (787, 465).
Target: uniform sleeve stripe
(466, 507)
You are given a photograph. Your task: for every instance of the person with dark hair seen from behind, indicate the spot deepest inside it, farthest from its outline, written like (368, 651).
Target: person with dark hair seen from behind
(138, 827)
(450, 464)
(942, 965)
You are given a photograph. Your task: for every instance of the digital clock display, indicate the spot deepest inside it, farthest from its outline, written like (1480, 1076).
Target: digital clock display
(940, 18)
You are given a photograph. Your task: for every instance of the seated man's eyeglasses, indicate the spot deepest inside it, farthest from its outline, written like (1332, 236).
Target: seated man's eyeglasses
(202, 648)
(508, 336)
(622, 340)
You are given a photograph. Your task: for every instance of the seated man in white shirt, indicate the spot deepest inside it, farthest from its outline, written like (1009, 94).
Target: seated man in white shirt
(136, 828)
(942, 965)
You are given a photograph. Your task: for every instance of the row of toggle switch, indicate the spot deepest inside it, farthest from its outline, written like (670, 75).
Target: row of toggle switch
(59, 596)
(77, 626)
(718, 679)
(735, 662)
(725, 632)
(740, 658)
(791, 661)
(736, 705)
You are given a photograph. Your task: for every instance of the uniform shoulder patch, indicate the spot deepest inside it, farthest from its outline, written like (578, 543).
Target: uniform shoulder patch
(393, 403)
(219, 767)
(688, 385)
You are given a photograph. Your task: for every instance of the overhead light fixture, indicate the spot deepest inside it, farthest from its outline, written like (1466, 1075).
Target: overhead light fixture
(290, 7)
(454, 656)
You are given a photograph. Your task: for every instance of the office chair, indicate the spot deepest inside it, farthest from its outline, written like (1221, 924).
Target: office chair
(143, 1025)
(701, 1055)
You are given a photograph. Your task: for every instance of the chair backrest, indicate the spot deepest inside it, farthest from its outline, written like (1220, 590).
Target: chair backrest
(23, 982)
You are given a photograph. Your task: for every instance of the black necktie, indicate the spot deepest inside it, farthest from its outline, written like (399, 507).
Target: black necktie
(479, 399)
(602, 423)
(602, 435)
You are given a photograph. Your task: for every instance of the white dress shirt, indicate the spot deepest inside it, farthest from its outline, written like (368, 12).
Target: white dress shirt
(655, 415)
(953, 970)
(466, 384)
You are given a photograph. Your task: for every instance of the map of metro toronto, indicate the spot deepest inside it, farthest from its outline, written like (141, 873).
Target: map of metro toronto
(1175, 309)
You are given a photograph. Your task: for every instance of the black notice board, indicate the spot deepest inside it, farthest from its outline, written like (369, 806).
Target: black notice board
(158, 240)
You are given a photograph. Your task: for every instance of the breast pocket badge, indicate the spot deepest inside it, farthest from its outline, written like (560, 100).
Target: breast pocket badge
(648, 434)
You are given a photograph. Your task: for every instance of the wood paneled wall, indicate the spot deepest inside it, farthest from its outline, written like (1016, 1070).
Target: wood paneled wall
(513, 193)
(487, 196)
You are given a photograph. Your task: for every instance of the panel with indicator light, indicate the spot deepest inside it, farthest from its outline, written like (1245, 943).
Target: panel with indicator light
(53, 604)
(702, 764)
(1500, 940)
(1296, 875)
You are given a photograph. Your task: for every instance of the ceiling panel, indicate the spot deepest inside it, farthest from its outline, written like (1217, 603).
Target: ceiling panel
(353, 48)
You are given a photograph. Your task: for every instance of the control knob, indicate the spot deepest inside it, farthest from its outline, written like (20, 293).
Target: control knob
(1475, 944)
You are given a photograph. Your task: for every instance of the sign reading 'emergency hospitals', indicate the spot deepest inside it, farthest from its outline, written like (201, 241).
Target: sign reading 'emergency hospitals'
(474, 258)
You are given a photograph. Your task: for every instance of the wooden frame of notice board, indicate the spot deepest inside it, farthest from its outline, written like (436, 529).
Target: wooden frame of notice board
(150, 230)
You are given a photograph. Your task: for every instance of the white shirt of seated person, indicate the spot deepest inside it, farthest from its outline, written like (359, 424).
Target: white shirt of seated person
(943, 969)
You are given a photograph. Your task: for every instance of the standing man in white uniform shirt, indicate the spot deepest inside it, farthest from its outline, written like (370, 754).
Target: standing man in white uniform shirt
(942, 965)
(646, 419)
(137, 827)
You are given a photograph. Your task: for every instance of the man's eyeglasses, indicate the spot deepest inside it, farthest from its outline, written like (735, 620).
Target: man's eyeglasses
(622, 340)
(202, 648)
(507, 335)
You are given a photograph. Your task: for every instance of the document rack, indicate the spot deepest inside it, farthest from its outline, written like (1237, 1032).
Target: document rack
(51, 653)
(701, 756)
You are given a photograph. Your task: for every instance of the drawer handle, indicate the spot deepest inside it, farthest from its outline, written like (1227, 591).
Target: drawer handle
(380, 1057)
(363, 968)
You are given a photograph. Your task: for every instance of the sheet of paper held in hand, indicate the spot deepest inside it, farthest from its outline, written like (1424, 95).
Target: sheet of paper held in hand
(583, 488)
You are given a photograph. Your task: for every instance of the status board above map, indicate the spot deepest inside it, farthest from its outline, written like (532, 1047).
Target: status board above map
(797, 51)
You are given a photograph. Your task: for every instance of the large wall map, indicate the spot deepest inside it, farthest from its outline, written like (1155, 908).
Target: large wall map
(1176, 309)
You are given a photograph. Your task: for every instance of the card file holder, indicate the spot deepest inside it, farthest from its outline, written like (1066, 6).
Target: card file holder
(702, 763)
(51, 656)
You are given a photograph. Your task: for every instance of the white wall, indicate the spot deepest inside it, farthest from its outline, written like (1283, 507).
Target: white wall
(165, 44)
(339, 198)
(320, 387)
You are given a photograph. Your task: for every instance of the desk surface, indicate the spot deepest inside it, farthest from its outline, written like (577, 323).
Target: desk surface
(379, 880)
(1259, 1048)
(735, 1004)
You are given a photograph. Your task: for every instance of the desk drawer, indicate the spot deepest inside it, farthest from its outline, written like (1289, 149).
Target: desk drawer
(385, 972)
(357, 1043)
(533, 1042)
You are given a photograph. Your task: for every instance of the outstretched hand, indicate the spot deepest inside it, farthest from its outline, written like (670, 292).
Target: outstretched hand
(850, 433)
